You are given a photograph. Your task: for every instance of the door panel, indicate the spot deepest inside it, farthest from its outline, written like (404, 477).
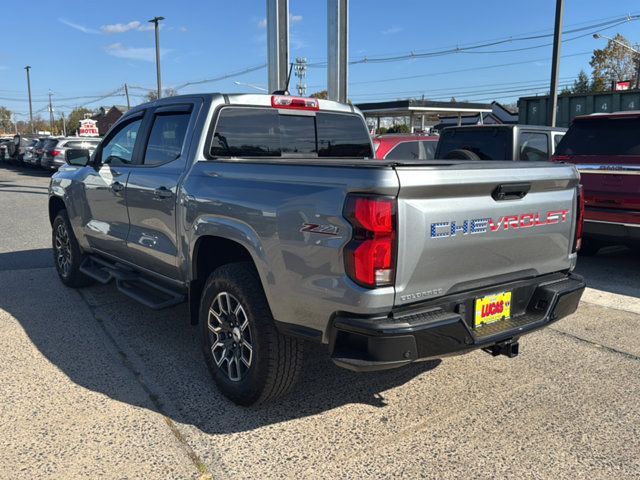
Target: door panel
(152, 192)
(105, 219)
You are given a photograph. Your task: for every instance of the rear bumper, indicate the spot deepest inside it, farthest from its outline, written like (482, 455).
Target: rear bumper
(444, 327)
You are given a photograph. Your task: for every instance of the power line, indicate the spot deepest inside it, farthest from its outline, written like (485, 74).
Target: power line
(221, 77)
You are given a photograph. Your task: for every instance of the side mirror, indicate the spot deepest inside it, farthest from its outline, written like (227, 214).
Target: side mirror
(78, 157)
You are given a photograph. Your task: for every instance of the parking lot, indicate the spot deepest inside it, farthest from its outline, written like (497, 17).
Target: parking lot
(93, 384)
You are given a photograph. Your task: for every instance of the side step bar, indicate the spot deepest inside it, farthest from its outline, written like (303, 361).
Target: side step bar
(131, 283)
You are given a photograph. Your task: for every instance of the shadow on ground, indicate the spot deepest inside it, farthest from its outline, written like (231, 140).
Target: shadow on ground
(25, 170)
(163, 351)
(613, 269)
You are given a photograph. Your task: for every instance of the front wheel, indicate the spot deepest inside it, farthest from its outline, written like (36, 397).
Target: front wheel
(67, 255)
(251, 362)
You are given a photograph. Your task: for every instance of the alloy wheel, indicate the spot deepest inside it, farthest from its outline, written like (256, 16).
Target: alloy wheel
(63, 250)
(230, 335)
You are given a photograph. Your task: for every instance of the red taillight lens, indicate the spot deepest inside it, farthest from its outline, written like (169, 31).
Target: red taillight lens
(55, 153)
(299, 103)
(370, 255)
(577, 243)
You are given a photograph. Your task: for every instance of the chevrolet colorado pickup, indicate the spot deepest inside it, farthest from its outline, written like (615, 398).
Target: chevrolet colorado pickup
(271, 217)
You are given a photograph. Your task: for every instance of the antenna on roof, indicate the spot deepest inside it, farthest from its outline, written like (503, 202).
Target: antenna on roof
(286, 87)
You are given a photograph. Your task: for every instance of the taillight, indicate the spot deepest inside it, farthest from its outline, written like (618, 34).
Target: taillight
(299, 103)
(55, 153)
(577, 243)
(370, 256)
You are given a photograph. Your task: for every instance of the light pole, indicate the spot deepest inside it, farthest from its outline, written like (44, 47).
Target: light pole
(27, 68)
(50, 113)
(555, 64)
(598, 36)
(156, 21)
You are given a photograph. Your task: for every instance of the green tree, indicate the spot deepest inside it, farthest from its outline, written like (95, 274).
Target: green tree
(152, 95)
(612, 63)
(73, 120)
(399, 128)
(6, 125)
(581, 84)
(322, 94)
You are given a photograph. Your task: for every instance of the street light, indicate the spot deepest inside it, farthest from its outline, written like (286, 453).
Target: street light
(598, 36)
(28, 68)
(155, 21)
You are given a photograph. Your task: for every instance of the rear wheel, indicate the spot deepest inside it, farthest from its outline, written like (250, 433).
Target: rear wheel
(251, 362)
(67, 255)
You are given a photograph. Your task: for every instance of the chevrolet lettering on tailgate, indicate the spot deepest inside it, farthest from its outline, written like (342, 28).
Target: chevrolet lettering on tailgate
(485, 225)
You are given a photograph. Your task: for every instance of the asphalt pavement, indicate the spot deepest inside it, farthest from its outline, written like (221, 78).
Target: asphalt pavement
(95, 385)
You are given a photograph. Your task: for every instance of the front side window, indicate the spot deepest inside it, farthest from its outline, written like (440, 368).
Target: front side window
(166, 139)
(119, 149)
(264, 132)
(534, 146)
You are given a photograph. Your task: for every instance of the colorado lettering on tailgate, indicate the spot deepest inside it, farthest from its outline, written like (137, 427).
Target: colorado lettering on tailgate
(474, 226)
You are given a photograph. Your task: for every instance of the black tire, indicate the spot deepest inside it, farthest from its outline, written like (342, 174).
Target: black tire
(69, 270)
(274, 360)
(461, 154)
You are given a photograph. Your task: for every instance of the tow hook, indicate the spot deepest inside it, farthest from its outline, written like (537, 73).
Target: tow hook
(510, 349)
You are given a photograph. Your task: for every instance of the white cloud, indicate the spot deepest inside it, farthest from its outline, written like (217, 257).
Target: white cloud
(391, 31)
(77, 26)
(132, 53)
(120, 27)
(183, 29)
(293, 19)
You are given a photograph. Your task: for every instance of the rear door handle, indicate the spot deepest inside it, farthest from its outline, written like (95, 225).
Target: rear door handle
(117, 187)
(162, 192)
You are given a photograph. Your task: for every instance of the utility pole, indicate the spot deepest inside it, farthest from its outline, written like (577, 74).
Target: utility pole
(50, 113)
(156, 21)
(277, 44)
(337, 49)
(27, 68)
(64, 126)
(300, 68)
(126, 92)
(555, 64)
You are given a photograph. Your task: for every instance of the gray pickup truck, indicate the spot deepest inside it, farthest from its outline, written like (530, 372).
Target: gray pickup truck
(271, 218)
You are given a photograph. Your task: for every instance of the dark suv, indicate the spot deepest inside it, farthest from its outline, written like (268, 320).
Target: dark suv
(499, 142)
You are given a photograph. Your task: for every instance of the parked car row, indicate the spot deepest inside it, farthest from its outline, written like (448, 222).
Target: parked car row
(43, 152)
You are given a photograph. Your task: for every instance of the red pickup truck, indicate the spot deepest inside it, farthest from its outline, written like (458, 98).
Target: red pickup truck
(606, 150)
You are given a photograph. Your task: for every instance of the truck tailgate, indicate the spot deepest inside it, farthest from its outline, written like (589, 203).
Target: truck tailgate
(456, 233)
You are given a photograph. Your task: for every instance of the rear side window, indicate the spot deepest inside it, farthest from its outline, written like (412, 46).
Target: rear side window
(167, 137)
(487, 143)
(534, 146)
(429, 149)
(405, 150)
(263, 132)
(604, 136)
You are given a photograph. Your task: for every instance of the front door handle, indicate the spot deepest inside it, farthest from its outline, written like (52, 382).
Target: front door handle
(162, 192)
(117, 187)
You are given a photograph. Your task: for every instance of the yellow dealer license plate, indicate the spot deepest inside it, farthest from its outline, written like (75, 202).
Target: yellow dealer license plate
(492, 308)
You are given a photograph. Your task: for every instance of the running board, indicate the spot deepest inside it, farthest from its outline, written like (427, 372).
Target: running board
(131, 283)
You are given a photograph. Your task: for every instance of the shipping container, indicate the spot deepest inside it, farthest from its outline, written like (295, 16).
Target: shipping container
(533, 110)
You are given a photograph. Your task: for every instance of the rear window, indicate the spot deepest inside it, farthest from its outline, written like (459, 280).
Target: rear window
(49, 144)
(605, 136)
(263, 132)
(82, 144)
(487, 143)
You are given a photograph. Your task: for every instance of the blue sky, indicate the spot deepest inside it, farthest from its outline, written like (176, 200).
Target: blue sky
(85, 49)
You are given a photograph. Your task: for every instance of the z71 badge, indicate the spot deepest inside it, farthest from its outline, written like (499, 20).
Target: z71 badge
(317, 228)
